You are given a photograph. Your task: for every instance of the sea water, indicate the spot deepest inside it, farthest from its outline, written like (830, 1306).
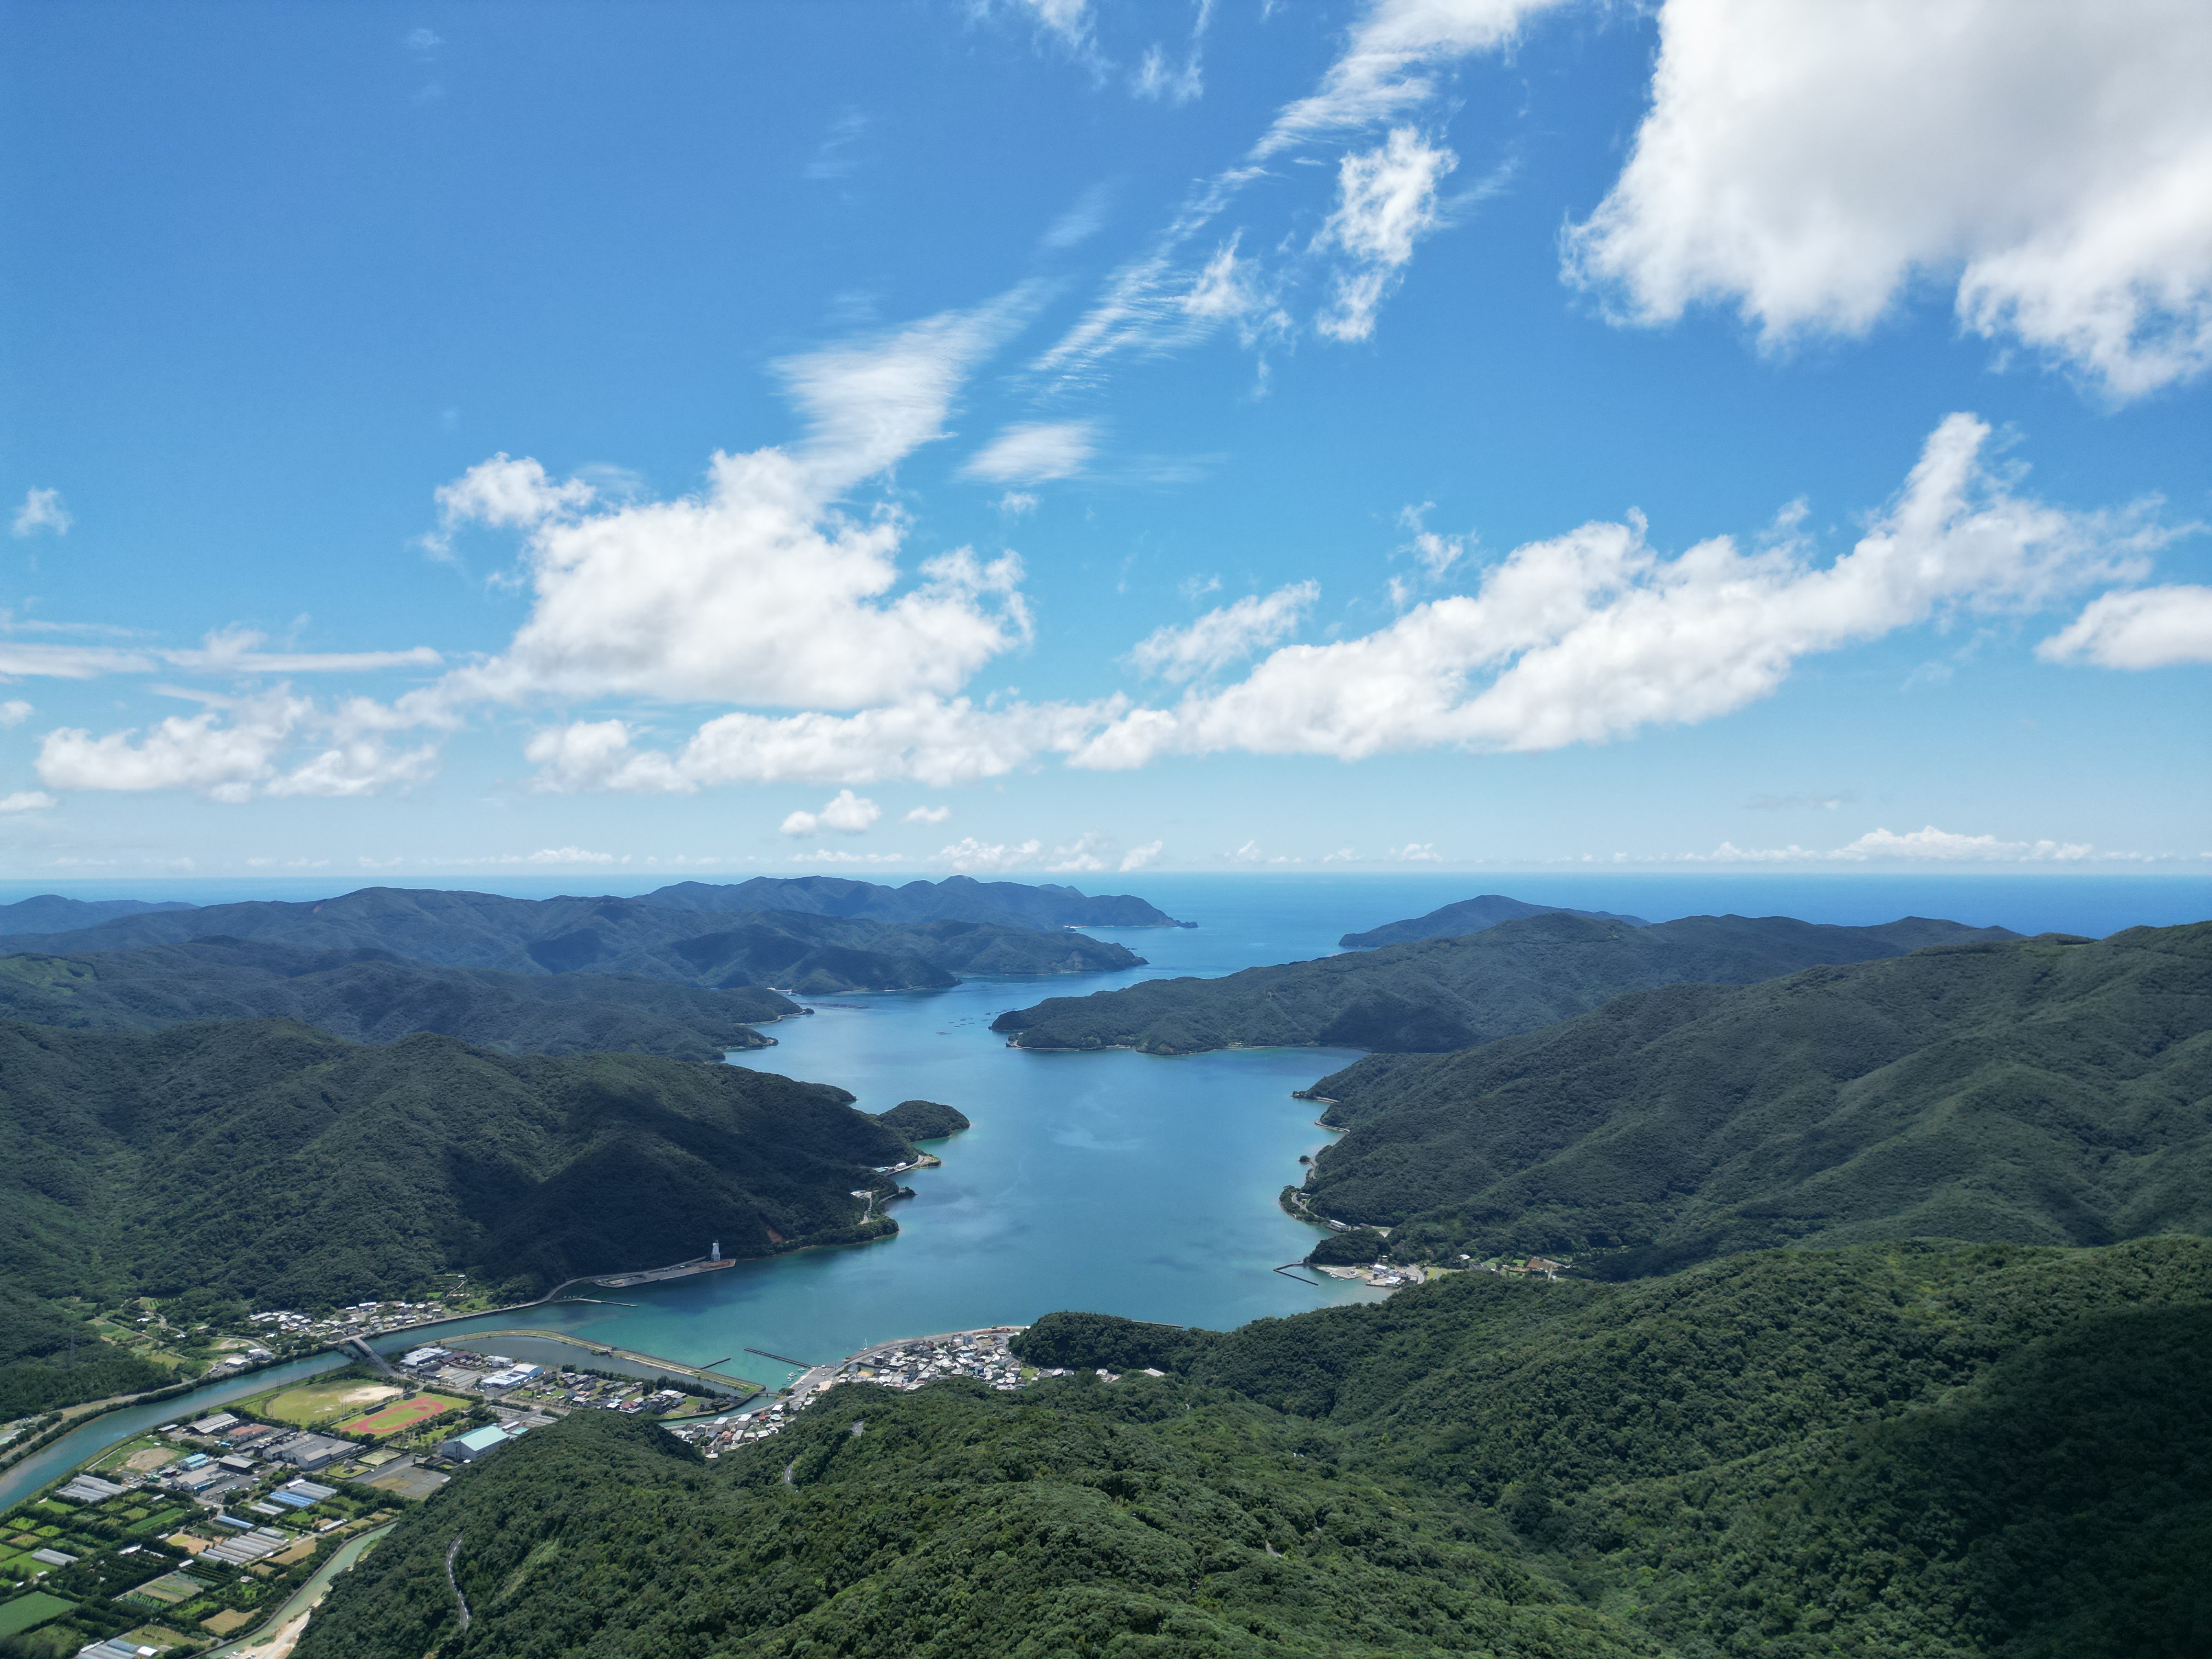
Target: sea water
(1145, 1186)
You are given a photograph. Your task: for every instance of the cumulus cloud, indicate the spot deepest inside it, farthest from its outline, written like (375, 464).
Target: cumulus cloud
(1138, 857)
(1415, 852)
(1386, 200)
(927, 815)
(1804, 164)
(1092, 852)
(1033, 453)
(27, 800)
(759, 589)
(968, 856)
(847, 814)
(1594, 635)
(13, 712)
(231, 750)
(1224, 636)
(2141, 628)
(42, 509)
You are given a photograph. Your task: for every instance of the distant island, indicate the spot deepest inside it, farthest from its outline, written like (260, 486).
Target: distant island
(685, 940)
(1435, 996)
(1470, 917)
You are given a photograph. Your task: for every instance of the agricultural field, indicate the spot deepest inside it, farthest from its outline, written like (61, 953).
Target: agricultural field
(26, 1611)
(315, 1405)
(401, 1414)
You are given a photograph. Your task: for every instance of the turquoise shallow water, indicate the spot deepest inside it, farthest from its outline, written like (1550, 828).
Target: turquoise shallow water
(1126, 1183)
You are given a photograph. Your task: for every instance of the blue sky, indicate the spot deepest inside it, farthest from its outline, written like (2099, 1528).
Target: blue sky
(899, 438)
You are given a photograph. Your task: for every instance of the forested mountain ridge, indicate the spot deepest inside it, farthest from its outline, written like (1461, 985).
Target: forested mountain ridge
(273, 1162)
(366, 995)
(789, 949)
(50, 912)
(1471, 916)
(957, 898)
(2041, 1090)
(1939, 1452)
(1434, 995)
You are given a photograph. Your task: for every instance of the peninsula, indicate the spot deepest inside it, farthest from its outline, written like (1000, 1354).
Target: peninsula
(1433, 995)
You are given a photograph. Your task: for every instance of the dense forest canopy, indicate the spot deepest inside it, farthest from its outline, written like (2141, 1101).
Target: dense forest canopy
(276, 1163)
(2039, 1090)
(1438, 994)
(793, 950)
(369, 995)
(1470, 917)
(1934, 1451)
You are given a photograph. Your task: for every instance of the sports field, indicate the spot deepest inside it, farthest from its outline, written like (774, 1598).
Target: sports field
(321, 1402)
(401, 1414)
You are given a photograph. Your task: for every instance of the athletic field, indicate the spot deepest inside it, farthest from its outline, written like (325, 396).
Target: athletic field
(400, 1415)
(317, 1403)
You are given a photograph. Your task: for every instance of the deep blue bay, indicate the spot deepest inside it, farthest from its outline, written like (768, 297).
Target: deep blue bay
(1133, 1184)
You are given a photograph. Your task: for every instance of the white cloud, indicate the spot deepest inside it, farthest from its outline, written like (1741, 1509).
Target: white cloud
(1924, 846)
(847, 814)
(505, 493)
(1017, 504)
(42, 509)
(1138, 857)
(1386, 67)
(834, 159)
(1437, 553)
(1224, 636)
(1412, 851)
(937, 744)
(1386, 200)
(1089, 850)
(1594, 635)
(570, 855)
(13, 712)
(1082, 220)
(968, 855)
(1942, 846)
(652, 598)
(237, 651)
(222, 760)
(837, 855)
(2141, 628)
(1387, 72)
(1033, 453)
(27, 800)
(927, 815)
(1807, 163)
(421, 40)
(233, 748)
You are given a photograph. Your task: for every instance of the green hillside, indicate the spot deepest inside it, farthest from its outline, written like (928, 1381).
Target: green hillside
(2039, 1090)
(956, 898)
(1437, 995)
(372, 996)
(1470, 917)
(1942, 1453)
(271, 1162)
(652, 938)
